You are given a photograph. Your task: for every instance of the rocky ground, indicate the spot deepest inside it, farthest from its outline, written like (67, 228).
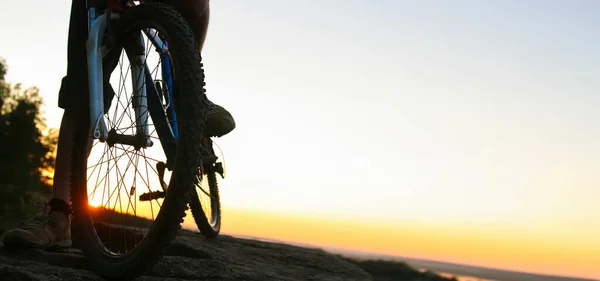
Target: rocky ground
(194, 258)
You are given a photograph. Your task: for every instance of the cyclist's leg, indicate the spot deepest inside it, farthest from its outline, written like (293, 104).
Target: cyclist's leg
(61, 185)
(52, 228)
(197, 12)
(72, 97)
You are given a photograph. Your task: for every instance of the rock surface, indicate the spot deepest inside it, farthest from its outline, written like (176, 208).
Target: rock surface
(193, 257)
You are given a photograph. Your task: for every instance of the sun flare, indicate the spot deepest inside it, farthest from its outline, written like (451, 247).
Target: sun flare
(95, 201)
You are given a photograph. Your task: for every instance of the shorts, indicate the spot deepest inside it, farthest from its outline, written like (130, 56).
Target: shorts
(74, 87)
(73, 94)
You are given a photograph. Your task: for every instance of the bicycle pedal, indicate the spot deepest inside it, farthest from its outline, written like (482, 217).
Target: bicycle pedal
(160, 168)
(148, 196)
(208, 159)
(219, 169)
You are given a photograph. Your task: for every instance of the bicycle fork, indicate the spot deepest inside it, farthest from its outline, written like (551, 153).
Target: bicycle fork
(97, 27)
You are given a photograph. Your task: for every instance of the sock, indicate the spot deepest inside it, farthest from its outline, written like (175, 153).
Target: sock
(58, 205)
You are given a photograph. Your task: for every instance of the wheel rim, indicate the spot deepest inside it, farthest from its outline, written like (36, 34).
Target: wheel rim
(208, 196)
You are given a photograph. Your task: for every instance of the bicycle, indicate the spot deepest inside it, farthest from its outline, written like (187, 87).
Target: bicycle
(168, 99)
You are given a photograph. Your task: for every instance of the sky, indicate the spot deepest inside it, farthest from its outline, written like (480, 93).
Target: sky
(461, 131)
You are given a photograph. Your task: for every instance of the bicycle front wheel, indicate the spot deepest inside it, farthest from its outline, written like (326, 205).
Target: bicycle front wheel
(127, 206)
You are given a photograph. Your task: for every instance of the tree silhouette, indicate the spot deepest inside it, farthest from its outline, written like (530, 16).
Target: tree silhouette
(27, 149)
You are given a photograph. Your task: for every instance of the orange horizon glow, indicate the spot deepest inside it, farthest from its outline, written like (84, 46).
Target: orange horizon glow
(486, 246)
(95, 201)
(461, 244)
(543, 248)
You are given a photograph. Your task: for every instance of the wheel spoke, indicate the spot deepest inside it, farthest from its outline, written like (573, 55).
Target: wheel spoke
(120, 170)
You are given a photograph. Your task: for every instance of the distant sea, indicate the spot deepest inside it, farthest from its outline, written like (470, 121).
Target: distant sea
(464, 278)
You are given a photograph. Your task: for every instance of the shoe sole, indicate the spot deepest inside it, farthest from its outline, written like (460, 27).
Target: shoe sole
(229, 128)
(12, 244)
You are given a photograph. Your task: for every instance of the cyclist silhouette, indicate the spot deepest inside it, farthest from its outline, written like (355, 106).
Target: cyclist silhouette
(52, 228)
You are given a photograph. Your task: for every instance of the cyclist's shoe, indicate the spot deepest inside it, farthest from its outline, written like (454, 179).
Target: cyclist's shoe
(219, 121)
(52, 229)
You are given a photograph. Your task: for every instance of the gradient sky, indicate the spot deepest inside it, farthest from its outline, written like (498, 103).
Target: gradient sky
(463, 131)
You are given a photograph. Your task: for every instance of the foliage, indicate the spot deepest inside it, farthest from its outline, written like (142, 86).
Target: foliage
(27, 150)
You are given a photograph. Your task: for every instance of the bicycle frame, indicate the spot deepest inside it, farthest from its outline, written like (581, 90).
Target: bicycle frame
(145, 100)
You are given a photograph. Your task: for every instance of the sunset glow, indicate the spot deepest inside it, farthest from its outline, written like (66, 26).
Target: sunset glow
(459, 131)
(519, 249)
(95, 202)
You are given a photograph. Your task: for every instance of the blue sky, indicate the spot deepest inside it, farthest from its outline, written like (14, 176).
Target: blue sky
(436, 111)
